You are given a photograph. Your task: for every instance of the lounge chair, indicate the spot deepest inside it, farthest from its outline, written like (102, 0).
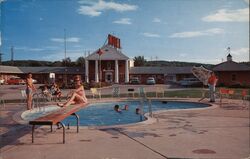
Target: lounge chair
(245, 95)
(24, 96)
(160, 90)
(95, 92)
(2, 101)
(131, 91)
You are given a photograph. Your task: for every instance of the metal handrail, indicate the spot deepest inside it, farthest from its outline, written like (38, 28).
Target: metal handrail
(150, 108)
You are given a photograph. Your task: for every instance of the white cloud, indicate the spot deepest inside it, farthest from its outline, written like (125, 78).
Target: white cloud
(96, 9)
(123, 21)
(157, 20)
(151, 35)
(183, 55)
(72, 54)
(225, 15)
(190, 34)
(24, 48)
(33, 49)
(71, 39)
(240, 51)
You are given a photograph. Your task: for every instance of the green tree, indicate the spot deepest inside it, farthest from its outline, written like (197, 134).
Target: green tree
(80, 62)
(66, 62)
(139, 61)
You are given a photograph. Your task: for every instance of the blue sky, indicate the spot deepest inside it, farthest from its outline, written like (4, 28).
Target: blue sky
(172, 30)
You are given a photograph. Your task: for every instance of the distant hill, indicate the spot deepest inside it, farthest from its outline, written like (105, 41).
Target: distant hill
(246, 63)
(32, 63)
(176, 63)
(148, 63)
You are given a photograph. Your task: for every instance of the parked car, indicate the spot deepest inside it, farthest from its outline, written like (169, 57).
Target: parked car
(190, 82)
(151, 80)
(134, 80)
(1, 81)
(15, 80)
(34, 80)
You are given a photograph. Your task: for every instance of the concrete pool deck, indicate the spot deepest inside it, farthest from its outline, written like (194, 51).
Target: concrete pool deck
(218, 132)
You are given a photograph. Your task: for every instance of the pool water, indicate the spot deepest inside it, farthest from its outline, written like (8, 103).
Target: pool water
(103, 114)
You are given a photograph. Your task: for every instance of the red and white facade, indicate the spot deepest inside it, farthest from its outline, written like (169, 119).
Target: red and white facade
(107, 64)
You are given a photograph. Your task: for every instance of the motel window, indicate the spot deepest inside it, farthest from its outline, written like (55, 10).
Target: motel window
(233, 77)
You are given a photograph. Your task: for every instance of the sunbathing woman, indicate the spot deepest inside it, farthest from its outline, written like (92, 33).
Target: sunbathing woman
(77, 96)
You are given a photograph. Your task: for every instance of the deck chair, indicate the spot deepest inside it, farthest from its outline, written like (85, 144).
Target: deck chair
(223, 92)
(2, 101)
(116, 91)
(24, 96)
(245, 95)
(230, 93)
(95, 92)
(131, 91)
(160, 90)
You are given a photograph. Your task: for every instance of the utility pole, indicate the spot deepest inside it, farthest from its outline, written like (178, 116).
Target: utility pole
(12, 55)
(65, 55)
(65, 47)
(1, 58)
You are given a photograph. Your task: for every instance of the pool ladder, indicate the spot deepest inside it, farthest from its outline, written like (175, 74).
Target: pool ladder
(149, 103)
(36, 103)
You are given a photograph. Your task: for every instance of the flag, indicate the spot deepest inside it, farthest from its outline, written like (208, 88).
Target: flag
(99, 52)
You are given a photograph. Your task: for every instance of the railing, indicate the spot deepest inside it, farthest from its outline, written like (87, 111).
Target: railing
(150, 108)
(148, 101)
(37, 100)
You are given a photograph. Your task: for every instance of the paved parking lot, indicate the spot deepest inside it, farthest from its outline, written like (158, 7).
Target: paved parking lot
(215, 132)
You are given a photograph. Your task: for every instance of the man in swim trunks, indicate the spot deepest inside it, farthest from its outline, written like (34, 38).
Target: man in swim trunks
(212, 80)
(29, 89)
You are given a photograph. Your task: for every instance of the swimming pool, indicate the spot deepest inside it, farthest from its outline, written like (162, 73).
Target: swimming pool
(103, 114)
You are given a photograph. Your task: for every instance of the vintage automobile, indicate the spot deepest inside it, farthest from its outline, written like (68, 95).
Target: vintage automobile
(15, 81)
(134, 80)
(151, 80)
(186, 82)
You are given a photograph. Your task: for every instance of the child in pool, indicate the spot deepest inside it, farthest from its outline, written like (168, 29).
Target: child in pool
(117, 109)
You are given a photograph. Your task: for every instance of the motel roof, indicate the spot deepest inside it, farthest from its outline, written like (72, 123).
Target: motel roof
(9, 69)
(160, 70)
(60, 70)
(109, 53)
(231, 66)
(147, 70)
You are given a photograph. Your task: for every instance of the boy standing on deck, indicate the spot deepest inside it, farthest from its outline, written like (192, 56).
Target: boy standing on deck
(29, 89)
(212, 80)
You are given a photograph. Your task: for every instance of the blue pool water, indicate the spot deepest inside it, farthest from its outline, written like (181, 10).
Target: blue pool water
(103, 114)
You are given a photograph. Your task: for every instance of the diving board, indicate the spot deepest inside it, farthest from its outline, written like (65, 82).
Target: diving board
(56, 118)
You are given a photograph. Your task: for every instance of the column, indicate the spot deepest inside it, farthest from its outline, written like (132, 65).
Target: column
(126, 71)
(116, 72)
(87, 71)
(96, 71)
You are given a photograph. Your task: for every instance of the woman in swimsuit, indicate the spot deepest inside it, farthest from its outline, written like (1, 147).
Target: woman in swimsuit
(77, 96)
